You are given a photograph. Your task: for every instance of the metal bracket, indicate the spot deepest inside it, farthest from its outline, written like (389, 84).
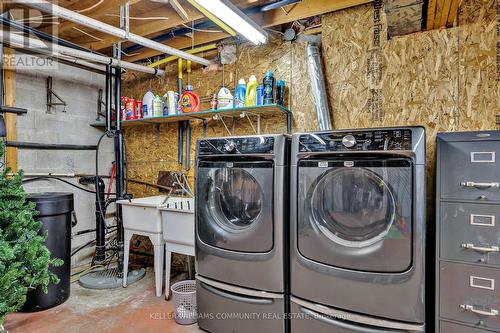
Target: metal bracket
(50, 94)
(158, 134)
(100, 104)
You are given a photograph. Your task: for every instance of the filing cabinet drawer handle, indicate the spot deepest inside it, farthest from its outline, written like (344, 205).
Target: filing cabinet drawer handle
(480, 248)
(470, 308)
(480, 185)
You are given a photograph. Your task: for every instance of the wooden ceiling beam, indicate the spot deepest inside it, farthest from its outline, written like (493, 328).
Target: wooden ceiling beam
(142, 28)
(304, 9)
(181, 42)
(107, 7)
(146, 28)
(453, 13)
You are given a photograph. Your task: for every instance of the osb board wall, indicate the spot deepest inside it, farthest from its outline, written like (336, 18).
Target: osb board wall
(149, 152)
(445, 80)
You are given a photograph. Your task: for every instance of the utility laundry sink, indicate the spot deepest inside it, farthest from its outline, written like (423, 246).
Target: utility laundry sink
(178, 223)
(142, 213)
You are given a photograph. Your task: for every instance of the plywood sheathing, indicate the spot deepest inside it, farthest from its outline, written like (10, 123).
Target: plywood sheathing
(445, 80)
(288, 62)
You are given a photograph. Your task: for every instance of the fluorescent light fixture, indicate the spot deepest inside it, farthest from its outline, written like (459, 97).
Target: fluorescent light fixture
(236, 19)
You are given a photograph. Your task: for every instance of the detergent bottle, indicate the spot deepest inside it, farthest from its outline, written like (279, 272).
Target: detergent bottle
(224, 99)
(251, 93)
(189, 101)
(157, 106)
(239, 94)
(268, 84)
(147, 104)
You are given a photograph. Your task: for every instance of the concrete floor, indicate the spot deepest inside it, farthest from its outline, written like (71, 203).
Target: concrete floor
(132, 309)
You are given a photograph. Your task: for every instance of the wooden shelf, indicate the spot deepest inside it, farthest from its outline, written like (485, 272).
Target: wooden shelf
(264, 110)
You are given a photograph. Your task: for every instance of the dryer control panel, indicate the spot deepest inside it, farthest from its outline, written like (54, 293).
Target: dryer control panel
(390, 139)
(243, 145)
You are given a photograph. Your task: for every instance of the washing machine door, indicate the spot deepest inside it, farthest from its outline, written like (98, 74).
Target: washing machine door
(235, 205)
(356, 214)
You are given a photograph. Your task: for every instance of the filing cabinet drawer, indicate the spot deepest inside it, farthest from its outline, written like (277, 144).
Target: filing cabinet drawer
(470, 294)
(470, 232)
(470, 170)
(445, 327)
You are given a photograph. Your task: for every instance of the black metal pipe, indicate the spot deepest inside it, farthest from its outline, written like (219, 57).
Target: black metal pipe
(278, 4)
(100, 213)
(188, 145)
(108, 101)
(10, 109)
(119, 167)
(48, 146)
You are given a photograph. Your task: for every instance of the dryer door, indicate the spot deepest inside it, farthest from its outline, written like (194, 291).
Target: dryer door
(356, 214)
(235, 205)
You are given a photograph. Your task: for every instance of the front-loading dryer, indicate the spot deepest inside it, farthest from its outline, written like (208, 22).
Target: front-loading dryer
(357, 230)
(241, 234)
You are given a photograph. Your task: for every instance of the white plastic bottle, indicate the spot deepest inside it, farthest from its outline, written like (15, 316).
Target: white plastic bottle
(157, 106)
(224, 98)
(147, 104)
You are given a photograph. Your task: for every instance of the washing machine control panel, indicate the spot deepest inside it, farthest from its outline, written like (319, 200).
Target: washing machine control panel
(391, 139)
(248, 145)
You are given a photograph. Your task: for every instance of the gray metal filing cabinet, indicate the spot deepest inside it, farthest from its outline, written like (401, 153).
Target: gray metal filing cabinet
(468, 232)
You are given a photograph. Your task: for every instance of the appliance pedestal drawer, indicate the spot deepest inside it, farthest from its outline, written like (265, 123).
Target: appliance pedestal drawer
(308, 319)
(470, 294)
(224, 311)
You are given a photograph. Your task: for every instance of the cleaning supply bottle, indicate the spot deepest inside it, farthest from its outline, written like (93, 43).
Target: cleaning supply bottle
(268, 84)
(224, 99)
(239, 94)
(147, 104)
(189, 100)
(280, 92)
(157, 106)
(251, 94)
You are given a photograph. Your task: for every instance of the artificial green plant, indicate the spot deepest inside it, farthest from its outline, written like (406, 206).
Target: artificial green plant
(24, 258)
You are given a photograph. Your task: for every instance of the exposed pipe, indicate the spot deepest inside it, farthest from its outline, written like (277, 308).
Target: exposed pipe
(22, 42)
(200, 49)
(180, 126)
(109, 93)
(69, 15)
(42, 35)
(279, 4)
(48, 146)
(318, 86)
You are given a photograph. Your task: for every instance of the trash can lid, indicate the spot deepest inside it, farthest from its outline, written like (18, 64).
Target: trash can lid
(52, 203)
(49, 196)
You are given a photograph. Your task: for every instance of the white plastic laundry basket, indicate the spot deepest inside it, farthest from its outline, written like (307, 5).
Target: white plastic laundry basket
(184, 293)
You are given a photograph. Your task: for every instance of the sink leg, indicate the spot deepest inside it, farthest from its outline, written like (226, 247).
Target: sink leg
(168, 263)
(159, 251)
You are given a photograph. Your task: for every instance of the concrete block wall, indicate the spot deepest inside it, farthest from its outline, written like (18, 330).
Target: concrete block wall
(79, 88)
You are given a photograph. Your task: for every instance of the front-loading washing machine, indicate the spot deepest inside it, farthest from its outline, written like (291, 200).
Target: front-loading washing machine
(241, 234)
(358, 231)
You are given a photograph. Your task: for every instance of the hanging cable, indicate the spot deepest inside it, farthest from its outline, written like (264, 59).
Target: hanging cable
(29, 180)
(91, 7)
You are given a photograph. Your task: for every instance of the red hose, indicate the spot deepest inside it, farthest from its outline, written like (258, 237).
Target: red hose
(113, 174)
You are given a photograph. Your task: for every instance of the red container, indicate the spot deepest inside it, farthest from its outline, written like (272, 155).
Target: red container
(138, 109)
(130, 109)
(123, 104)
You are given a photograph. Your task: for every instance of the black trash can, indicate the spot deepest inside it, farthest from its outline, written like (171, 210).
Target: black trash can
(55, 210)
